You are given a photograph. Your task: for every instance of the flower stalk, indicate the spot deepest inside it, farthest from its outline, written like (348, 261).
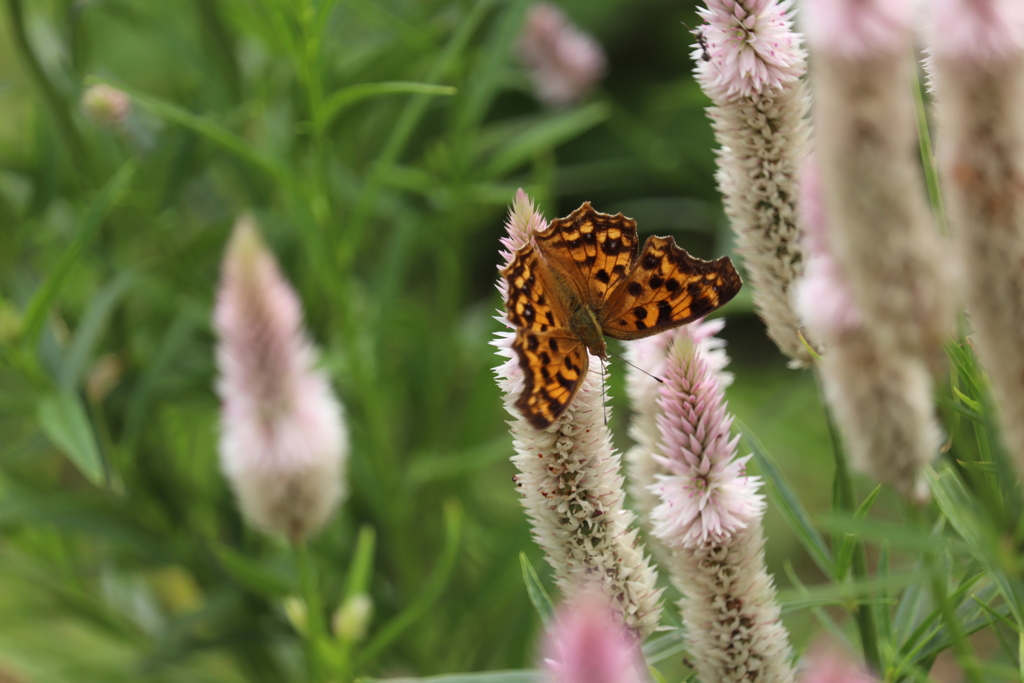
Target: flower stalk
(569, 477)
(760, 122)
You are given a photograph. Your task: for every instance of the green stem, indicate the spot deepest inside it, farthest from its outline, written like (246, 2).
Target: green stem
(315, 632)
(845, 501)
(58, 107)
(931, 174)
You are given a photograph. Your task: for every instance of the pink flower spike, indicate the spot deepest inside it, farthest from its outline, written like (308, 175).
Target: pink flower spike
(588, 644)
(856, 29)
(752, 47)
(283, 443)
(977, 31)
(564, 62)
(707, 494)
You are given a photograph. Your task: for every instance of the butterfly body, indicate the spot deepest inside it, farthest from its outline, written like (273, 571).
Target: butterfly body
(584, 278)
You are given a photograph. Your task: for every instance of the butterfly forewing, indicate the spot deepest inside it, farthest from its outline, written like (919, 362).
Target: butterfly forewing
(531, 302)
(666, 288)
(592, 251)
(555, 364)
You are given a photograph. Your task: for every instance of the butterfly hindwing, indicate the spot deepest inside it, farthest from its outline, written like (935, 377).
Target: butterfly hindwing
(666, 288)
(554, 364)
(592, 251)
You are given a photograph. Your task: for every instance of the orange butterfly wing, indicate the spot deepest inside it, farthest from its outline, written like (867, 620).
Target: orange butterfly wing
(666, 288)
(592, 251)
(553, 359)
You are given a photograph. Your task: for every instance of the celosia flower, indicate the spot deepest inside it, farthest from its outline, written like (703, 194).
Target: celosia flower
(647, 362)
(828, 663)
(759, 118)
(564, 62)
(978, 74)
(570, 482)
(710, 518)
(880, 396)
(588, 644)
(752, 46)
(283, 443)
(866, 141)
(106, 105)
(707, 494)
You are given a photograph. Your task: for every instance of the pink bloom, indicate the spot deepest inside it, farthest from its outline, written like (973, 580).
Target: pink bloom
(977, 30)
(564, 62)
(822, 298)
(588, 644)
(752, 47)
(707, 494)
(283, 442)
(106, 105)
(859, 28)
(828, 663)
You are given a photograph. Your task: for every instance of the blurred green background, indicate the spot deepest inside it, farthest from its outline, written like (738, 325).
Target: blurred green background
(385, 210)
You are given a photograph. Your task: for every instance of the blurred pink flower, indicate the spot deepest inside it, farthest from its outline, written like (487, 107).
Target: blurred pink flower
(283, 443)
(977, 30)
(829, 663)
(707, 494)
(822, 295)
(106, 105)
(858, 28)
(752, 47)
(564, 62)
(588, 644)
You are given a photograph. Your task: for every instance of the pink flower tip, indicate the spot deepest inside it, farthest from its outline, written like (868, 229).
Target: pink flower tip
(706, 493)
(564, 62)
(283, 442)
(106, 105)
(980, 32)
(858, 29)
(752, 48)
(522, 223)
(589, 644)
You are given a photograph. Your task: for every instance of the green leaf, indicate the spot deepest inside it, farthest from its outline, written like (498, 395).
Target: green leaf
(544, 136)
(209, 129)
(664, 647)
(65, 422)
(785, 499)
(430, 592)
(250, 573)
(360, 570)
(91, 329)
(44, 297)
(535, 589)
(346, 97)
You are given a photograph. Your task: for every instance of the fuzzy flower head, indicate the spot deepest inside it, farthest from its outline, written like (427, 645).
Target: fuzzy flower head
(752, 47)
(564, 62)
(283, 442)
(707, 494)
(857, 29)
(106, 105)
(588, 644)
(983, 32)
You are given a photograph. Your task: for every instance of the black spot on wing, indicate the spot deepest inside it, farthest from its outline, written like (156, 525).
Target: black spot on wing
(664, 312)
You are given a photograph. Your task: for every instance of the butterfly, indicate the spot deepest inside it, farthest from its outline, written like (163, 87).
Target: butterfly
(584, 278)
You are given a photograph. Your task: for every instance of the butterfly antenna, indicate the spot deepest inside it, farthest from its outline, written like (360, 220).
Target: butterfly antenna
(636, 367)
